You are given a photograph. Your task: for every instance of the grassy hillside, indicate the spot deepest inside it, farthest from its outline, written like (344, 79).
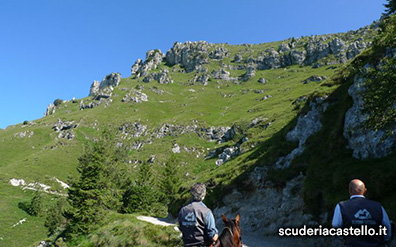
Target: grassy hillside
(35, 152)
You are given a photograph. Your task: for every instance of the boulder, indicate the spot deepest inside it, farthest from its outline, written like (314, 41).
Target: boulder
(250, 72)
(314, 78)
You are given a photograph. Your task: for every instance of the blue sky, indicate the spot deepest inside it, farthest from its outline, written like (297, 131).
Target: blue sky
(53, 49)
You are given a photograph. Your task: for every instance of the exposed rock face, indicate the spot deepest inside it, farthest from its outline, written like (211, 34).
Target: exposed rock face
(50, 110)
(202, 78)
(356, 48)
(61, 126)
(135, 96)
(365, 143)
(316, 49)
(222, 74)
(161, 77)
(132, 130)
(267, 208)
(109, 81)
(190, 55)
(307, 125)
(153, 59)
(337, 46)
(219, 53)
(65, 129)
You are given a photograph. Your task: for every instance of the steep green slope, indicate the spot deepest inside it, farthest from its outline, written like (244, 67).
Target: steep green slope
(180, 114)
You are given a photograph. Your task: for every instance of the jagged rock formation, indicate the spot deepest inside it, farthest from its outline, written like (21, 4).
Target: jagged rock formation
(190, 55)
(50, 110)
(307, 125)
(132, 130)
(161, 77)
(153, 59)
(366, 143)
(111, 80)
(136, 96)
(65, 129)
(267, 208)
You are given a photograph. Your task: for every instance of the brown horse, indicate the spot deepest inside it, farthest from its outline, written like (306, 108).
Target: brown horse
(231, 235)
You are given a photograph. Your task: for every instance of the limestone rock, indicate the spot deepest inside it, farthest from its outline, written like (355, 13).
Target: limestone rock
(94, 88)
(190, 55)
(314, 78)
(153, 59)
(266, 209)
(262, 80)
(219, 53)
(135, 96)
(176, 149)
(109, 81)
(250, 72)
(365, 143)
(337, 46)
(237, 58)
(161, 77)
(355, 49)
(202, 78)
(132, 130)
(306, 126)
(222, 74)
(50, 110)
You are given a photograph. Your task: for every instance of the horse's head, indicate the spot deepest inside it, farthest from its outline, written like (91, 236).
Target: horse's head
(235, 229)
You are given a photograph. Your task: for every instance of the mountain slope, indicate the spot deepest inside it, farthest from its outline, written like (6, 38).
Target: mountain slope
(223, 110)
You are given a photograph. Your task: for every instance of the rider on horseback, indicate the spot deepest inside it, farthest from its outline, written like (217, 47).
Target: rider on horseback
(196, 221)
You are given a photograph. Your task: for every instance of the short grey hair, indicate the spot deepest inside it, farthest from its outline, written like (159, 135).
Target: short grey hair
(198, 191)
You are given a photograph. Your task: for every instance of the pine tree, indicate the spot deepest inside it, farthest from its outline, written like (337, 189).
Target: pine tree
(391, 7)
(97, 188)
(36, 205)
(170, 183)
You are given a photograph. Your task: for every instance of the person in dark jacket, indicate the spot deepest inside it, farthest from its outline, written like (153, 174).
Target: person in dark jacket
(196, 221)
(358, 211)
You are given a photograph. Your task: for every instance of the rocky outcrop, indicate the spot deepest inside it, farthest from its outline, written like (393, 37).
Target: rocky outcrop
(161, 77)
(142, 68)
(202, 78)
(219, 53)
(50, 110)
(267, 208)
(364, 142)
(222, 74)
(136, 96)
(65, 129)
(132, 130)
(356, 48)
(109, 81)
(250, 72)
(24, 134)
(190, 55)
(306, 126)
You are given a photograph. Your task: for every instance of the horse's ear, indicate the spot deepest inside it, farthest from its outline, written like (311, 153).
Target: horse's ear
(237, 218)
(224, 218)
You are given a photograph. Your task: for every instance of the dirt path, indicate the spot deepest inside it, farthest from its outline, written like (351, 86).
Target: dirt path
(249, 239)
